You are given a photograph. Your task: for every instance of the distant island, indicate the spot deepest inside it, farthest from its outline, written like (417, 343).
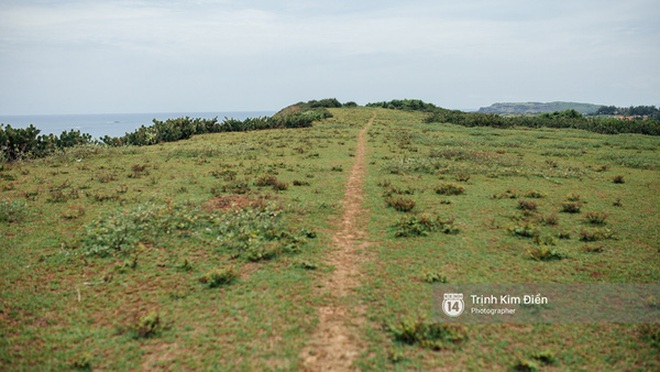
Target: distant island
(520, 108)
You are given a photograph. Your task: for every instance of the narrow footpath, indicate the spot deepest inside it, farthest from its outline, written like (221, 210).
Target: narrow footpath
(335, 344)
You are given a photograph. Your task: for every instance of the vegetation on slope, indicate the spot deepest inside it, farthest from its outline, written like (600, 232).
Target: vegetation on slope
(210, 253)
(522, 108)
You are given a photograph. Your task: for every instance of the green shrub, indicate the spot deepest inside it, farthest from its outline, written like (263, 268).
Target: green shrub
(544, 253)
(269, 180)
(148, 326)
(596, 235)
(256, 233)
(422, 225)
(436, 336)
(618, 179)
(534, 194)
(431, 277)
(573, 197)
(400, 204)
(551, 219)
(595, 218)
(526, 231)
(651, 334)
(120, 231)
(82, 362)
(527, 205)
(449, 189)
(526, 365)
(219, 276)
(571, 207)
(462, 177)
(12, 211)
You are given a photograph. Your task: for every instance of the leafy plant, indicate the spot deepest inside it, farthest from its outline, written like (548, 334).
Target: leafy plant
(120, 231)
(219, 276)
(596, 235)
(12, 210)
(551, 219)
(544, 253)
(422, 225)
(595, 218)
(400, 204)
(651, 333)
(535, 194)
(527, 205)
(431, 277)
(571, 207)
(526, 230)
(526, 365)
(148, 326)
(618, 179)
(449, 189)
(431, 335)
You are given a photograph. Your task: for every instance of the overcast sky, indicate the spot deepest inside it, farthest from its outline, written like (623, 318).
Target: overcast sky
(71, 56)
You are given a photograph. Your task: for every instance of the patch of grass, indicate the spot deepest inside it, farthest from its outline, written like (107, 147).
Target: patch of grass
(618, 179)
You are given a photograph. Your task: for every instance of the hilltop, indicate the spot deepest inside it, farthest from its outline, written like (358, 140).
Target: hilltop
(521, 108)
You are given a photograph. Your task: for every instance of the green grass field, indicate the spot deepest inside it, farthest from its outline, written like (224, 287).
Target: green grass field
(211, 253)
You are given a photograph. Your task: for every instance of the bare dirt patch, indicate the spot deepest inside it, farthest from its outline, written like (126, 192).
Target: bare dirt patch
(335, 343)
(230, 202)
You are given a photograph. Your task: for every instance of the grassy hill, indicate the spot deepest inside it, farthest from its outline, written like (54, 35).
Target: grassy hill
(221, 251)
(520, 108)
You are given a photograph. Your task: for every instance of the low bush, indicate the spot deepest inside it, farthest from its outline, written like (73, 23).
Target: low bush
(120, 231)
(526, 230)
(449, 189)
(618, 179)
(534, 194)
(527, 205)
(147, 326)
(422, 225)
(431, 335)
(219, 276)
(571, 207)
(544, 253)
(12, 210)
(431, 277)
(596, 235)
(595, 218)
(651, 334)
(551, 219)
(400, 204)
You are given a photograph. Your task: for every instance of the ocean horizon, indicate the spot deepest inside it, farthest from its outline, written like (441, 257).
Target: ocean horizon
(114, 125)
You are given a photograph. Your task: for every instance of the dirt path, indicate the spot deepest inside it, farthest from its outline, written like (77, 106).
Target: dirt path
(335, 343)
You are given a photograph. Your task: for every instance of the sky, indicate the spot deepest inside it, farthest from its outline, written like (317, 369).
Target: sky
(120, 56)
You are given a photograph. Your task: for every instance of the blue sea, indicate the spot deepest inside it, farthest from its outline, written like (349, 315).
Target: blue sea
(114, 125)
